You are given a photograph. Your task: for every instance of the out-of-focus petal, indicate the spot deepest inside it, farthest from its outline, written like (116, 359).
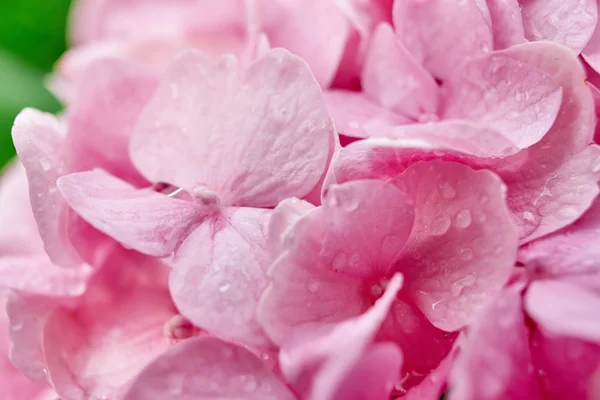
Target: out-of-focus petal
(507, 23)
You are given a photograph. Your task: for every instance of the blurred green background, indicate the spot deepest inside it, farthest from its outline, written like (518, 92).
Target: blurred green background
(32, 37)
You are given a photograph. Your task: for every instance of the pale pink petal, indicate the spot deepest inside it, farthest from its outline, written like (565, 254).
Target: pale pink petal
(495, 363)
(591, 52)
(22, 237)
(273, 122)
(463, 245)
(327, 366)
(97, 349)
(109, 99)
(507, 23)
(37, 275)
(13, 384)
(569, 254)
(356, 115)
(566, 367)
(322, 46)
(563, 309)
(147, 221)
(570, 23)
(207, 368)
(429, 31)
(544, 179)
(508, 95)
(28, 316)
(217, 288)
(394, 78)
(39, 141)
(283, 218)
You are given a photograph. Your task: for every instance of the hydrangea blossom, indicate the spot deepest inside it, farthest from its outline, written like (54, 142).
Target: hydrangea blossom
(309, 200)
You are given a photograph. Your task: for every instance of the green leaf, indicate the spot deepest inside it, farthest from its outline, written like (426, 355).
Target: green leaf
(20, 86)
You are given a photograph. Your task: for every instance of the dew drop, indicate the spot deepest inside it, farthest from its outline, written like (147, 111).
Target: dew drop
(224, 287)
(447, 191)
(45, 163)
(463, 219)
(376, 290)
(339, 262)
(528, 216)
(568, 212)
(465, 254)
(440, 225)
(313, 286)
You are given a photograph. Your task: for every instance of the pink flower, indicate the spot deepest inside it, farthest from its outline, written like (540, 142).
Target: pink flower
(442, 225)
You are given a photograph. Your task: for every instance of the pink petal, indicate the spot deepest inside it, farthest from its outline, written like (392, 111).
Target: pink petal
(142, 219)
(279, 133)
(327, 367)
(570, 23)
(285, 215)
(569, 254)
(566, 366)
(217, 288)
(507, 23)
(424, 346)
(434, 384)
(429, 31)
(510, 96)
(591, 52)
(285, 22)
(495, 363)
(563, 309)
(356, 115)
(110, 97)
(23, 236)
(96, 350)
(395, 79)
(13, 384)
(207, 368)
(463, 245)
(39, 141)
(372, 211)
(37, 275)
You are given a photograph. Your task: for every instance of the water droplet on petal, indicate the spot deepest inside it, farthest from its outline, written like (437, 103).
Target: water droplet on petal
(224, 287)
(440, 225)
(313, 286)
(463, 219)
(465, 254)
(447, 191)
(339, 262)
(45, 163)
(568, 212)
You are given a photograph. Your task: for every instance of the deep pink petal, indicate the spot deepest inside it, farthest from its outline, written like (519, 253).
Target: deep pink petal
(279, 133)
(511, 96)
(507, 23)
(109, 99)
(495, 363)
(358, 116)
(463, 245)
(395, 79)
(22, 237)
(39, 140)
(207, 368)
(327, 366)
(144, 220)
(563, 309)
(429, 31)
(591, 52)
(570, 23)
(434, 384)
(566, 367)
(219, 274)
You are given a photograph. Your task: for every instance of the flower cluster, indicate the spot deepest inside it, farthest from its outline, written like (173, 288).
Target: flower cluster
(309, 200)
